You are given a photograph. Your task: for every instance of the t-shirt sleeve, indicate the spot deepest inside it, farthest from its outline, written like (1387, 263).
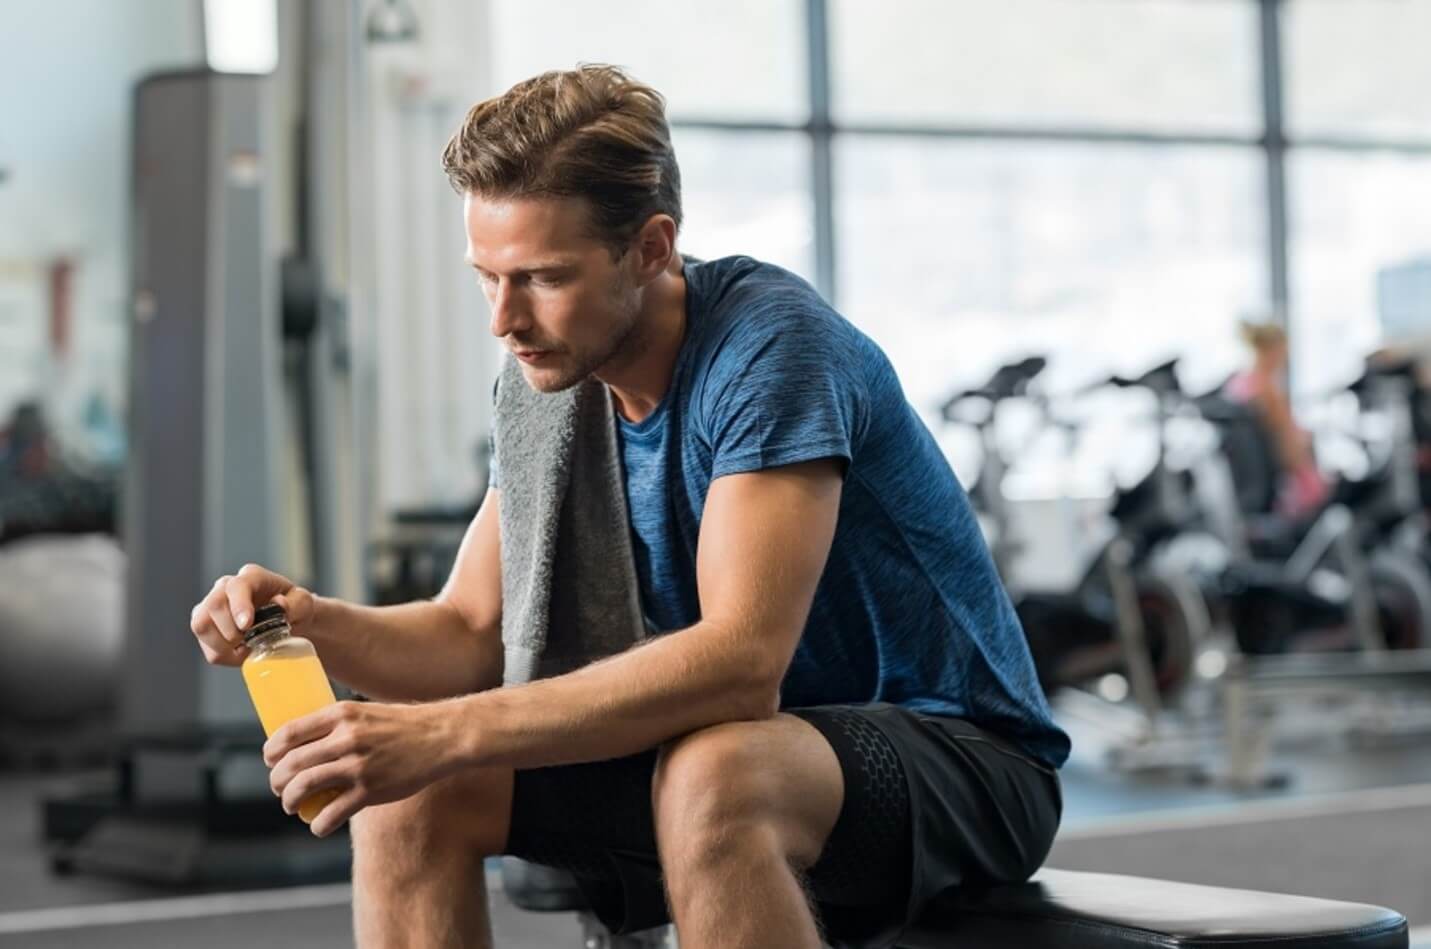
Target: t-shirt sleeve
(785, 391)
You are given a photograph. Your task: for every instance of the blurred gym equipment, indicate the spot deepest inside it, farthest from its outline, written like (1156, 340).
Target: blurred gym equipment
(61, 620)
(1114, 619)
(1214, 597)
(43, 491)
(61, 598)
(1379, 516)
(202, 491)
(61, 602)
(233, 365)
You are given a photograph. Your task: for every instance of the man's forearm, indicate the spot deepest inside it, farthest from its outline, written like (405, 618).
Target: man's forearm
(413, 652)
(619, 706)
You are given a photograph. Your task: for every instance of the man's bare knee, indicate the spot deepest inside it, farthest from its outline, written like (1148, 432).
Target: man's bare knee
(470, 812)
(743, 784)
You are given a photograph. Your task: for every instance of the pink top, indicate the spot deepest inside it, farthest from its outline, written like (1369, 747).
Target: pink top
(1303, 490)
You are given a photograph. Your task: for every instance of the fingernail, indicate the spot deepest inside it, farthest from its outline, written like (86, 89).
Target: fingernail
(241, 619)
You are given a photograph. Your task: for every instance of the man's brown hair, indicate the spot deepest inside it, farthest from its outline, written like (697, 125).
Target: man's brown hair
(592, 132)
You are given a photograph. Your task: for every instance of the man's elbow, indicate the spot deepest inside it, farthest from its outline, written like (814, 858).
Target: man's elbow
(480, 639)
(763, 692)
(752, 676)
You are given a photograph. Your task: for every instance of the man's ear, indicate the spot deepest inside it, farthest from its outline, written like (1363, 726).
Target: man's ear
(654, 246)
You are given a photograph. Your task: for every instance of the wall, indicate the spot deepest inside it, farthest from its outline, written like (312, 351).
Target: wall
(434, 359)
(65, 84)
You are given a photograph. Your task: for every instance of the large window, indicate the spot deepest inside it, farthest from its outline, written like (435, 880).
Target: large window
(1359, 69)
(712, 59)
(723, 66)
(956, 255)
(746, 193)
(1359, 177)
(1110, 64)
(1357, 219)
(1105, 181)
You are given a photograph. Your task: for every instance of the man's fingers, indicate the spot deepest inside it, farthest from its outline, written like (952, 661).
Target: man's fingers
(199, 616)
(300, 731)
(339, 812)
(310, 781)
(254, 586)
(239, 604)
(224, 623)
(219, 620)
(217, 648)
(304, 757)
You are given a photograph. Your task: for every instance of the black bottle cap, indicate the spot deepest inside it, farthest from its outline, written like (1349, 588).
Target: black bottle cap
(266, 620)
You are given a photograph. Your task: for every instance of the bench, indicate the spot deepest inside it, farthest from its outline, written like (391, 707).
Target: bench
(1062, 908)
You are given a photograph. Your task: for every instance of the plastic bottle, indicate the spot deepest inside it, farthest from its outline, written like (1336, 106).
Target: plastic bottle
(285, 681)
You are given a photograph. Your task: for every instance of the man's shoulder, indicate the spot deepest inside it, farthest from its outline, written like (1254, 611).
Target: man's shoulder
(747, 305)
(742, 283)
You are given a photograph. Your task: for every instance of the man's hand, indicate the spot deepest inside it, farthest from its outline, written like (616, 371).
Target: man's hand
(370, 753)
(218, 620)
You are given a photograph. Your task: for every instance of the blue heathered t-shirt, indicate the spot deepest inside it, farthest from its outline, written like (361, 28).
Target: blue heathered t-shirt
(909, 610)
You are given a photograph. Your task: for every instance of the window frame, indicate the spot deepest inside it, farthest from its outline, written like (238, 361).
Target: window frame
(1274, 143)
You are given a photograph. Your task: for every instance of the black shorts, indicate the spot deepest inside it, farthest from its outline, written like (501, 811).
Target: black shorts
(930, 803)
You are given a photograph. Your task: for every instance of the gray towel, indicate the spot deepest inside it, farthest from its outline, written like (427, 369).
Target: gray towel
(569, 589)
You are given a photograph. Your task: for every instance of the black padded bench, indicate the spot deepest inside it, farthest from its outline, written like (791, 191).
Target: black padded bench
(1105, 911)
(1062, 908)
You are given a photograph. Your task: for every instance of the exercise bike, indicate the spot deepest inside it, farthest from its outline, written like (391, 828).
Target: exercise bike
(1342, 578)
(1115, 619)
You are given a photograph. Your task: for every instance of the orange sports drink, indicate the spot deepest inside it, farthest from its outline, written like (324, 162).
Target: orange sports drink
(285, 681)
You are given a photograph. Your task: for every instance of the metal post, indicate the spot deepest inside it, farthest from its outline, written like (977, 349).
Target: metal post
(1132, 635)
(1243, 758)
(1275, 147)
(821, 165)
(1365, 617)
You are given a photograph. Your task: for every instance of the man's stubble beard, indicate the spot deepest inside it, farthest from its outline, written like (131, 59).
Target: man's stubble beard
(542, 381)
(625, 346)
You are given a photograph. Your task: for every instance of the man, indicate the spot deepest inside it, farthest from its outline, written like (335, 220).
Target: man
(842, 717)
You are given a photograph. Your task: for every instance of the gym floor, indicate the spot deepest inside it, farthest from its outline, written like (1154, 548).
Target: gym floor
(1342, 829)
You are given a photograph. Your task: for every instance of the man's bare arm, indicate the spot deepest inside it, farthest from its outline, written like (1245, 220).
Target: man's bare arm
(428, 649)
(764, 540)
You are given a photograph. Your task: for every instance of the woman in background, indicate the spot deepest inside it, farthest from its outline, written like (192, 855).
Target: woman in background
(1262, 386)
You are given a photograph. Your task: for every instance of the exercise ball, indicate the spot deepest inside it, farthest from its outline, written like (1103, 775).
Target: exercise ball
(61, 626)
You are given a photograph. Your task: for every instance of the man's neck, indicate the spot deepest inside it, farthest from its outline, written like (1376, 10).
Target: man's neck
(639, 382)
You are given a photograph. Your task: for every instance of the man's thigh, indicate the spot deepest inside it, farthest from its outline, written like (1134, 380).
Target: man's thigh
(568, 815)
(597, 820)
(925, 803)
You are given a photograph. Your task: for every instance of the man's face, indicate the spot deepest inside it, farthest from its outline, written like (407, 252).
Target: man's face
(559, 301)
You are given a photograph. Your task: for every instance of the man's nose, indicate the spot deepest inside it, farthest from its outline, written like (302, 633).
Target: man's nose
(509, 314)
